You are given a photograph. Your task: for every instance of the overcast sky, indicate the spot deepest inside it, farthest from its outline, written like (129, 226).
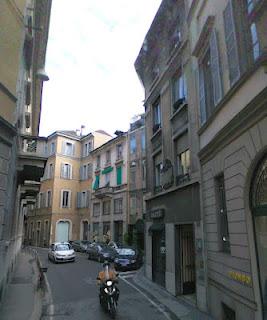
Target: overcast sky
(90, 61)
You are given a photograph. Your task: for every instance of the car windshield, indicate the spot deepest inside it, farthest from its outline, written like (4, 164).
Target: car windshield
(85, 242)
(106, 248)
(126, 252)
(62, 247)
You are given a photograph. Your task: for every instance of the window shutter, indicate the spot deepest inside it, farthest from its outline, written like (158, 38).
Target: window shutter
(62, 170)
(231, 43)
(215, 68)
(63, 150)
(61, 199)
(69, 204)
(77, 200)
(87, 198)
(73, 149)
(201, 93)
(70, 166)
(119, 175)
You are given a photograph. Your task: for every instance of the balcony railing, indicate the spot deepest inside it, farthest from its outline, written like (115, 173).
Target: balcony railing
(103, 192)
(182, 178)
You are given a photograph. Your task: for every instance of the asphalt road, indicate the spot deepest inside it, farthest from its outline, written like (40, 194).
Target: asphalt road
(74, 293)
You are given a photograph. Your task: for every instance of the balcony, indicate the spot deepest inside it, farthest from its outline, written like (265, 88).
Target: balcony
(103, 192)
(32, 157)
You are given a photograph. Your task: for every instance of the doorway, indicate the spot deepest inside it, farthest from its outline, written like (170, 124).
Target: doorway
(185, 260)
(62, 232)
(158, 257)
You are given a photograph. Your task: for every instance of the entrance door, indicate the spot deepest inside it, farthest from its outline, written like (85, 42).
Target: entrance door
(118, 231)
(85, 230)
(62, 233)
(158, 257)
(185, 265)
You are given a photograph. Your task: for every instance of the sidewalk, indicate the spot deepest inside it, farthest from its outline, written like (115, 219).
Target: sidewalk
(175, 306)
(22, 300)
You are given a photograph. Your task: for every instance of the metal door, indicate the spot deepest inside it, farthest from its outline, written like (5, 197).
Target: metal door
(187, 259)
(158, 257)
(62, 232)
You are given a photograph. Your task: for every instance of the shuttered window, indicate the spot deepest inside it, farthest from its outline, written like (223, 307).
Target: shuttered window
(231, 44)
(66, 171)
(119, 176)
(215, 68)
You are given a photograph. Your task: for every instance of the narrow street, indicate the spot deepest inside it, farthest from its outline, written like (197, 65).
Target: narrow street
(74, 293)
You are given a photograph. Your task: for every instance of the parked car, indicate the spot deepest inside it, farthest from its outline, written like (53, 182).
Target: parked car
(128, 258)
(100, 251)
(80, 245)
(114, 245)
(61, 252)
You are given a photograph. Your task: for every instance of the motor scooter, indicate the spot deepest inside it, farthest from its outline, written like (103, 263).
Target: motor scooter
(108, 297)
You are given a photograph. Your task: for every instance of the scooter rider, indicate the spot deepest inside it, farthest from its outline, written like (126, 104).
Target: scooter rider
(108, 273)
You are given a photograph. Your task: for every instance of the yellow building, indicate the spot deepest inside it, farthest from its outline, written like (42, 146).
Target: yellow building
(24, 28)
(62, 210)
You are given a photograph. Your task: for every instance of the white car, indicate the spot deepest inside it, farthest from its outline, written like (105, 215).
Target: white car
(61, 252)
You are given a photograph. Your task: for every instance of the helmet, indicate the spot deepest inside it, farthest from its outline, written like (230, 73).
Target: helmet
(106, 264)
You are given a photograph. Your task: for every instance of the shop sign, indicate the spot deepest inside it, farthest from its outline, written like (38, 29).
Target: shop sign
(156, 214)
(240, 277)
(167, 177)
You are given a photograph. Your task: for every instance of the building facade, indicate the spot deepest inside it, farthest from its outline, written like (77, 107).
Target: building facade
(173, 223)
(109, 195)
(228, 48)
(136, 181)
(22, 159)
(62, 209)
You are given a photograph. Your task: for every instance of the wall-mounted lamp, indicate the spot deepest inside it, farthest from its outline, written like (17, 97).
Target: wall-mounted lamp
(42, 75)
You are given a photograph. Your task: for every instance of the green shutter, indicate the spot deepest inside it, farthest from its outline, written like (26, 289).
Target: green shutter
(119, 175)
(96, 184)
(107, 170)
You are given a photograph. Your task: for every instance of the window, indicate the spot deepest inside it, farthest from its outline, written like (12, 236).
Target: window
(65, 198)
(52, 148)
(50, 171)
(179, 91)
(133, 178)
(108, 157)
(98, 159)
(183, 163)
(96, 209)
(156, 116)
(132, 144)
(86, 171)
(157, 172)
(119, 151)
(68, 148)
(255, 41)
(143, 140)
(95, 229)
(144, 173)
(87, 148)
(133, 205)
(231, 43)
(118, 205)
(222, 214)
(46, 230)
(106, 228)
(49, 199)
(83, 199)
(41, 200)
(107, 179)
(119, 175)
(106, 207)
(66, 171)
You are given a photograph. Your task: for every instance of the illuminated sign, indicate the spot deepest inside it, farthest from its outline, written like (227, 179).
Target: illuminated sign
(240, 277)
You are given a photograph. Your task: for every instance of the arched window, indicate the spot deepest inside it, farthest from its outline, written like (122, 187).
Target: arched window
(258, 197)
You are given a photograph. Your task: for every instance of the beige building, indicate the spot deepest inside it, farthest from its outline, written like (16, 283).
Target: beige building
(109, 195)
(228, 43)
(136, 181)
(62, 210)
(24, 28)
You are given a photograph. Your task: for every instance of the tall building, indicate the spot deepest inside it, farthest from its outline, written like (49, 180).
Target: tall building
(62, 209)
(136, 180)
(229, 58)
(110, 195)
(24, 26)
(173, 224)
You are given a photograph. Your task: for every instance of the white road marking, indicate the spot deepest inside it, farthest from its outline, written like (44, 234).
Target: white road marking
(151, 301)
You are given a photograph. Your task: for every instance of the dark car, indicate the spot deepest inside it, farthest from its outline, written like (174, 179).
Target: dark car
(128, 259)
(80, 245)
(101, 252)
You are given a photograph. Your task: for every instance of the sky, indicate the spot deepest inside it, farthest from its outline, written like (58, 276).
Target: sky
(91, 51)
